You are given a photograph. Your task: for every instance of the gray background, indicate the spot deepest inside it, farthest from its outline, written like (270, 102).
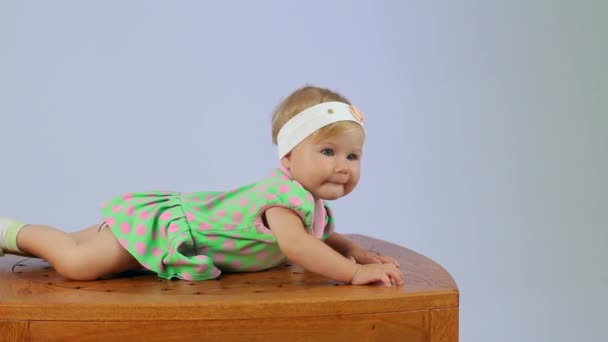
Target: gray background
(486, 122)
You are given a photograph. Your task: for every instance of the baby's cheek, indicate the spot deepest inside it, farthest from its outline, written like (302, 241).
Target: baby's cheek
(350, 186)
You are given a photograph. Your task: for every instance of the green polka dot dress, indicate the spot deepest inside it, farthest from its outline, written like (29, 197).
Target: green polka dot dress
(196, 236)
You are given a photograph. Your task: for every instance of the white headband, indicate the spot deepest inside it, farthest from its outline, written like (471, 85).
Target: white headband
(312, 119)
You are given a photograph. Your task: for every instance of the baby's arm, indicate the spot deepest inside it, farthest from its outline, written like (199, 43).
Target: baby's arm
(316, 256)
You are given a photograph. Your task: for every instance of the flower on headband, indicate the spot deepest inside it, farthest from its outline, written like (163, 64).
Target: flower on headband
(356, 113)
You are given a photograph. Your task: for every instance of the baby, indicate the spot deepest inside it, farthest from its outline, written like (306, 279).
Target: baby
(199, 235)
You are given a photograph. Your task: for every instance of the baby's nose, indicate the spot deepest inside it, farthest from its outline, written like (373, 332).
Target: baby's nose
(342, 166)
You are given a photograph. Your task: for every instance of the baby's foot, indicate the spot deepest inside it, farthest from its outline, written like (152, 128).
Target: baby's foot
(8, 235)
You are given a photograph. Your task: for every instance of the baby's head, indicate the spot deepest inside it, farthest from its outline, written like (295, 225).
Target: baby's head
(302, 99)
(320, 138)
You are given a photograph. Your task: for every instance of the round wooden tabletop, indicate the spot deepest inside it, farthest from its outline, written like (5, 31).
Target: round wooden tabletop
(30, 290)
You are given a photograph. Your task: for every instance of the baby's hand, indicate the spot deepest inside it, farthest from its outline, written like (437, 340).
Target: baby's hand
(372, 273)
(364, 256)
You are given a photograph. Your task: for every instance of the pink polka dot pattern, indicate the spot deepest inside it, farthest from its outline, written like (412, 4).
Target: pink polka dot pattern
(246, 250)
(237, 217)
(229, 245)
(295, 201)
(262, 255)
(140, 248)
(202, 268)
(140, 230)
(219, 257)
(199, 235)
(173, 228)
(125, 227)
(190, 216)
(215, 273)
(236, 264)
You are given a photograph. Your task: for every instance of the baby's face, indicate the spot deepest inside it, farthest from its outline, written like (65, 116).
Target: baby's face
(328, 168)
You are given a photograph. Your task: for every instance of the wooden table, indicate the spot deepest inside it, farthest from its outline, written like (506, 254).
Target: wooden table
(282, 304)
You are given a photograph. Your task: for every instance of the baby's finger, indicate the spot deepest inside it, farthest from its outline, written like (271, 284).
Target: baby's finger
(386, 280)
(375, 260)
(398, 277)
(388, 260)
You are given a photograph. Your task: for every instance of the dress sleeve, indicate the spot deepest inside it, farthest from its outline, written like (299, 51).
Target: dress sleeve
(288, 194)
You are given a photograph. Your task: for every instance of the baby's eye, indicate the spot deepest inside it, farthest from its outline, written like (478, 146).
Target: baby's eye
(352, 156)
(328, 152)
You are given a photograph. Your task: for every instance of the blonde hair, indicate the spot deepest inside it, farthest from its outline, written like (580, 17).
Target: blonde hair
(303, 98)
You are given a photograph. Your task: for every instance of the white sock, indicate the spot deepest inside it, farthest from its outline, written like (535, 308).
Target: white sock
(4, 223)
(8, 234)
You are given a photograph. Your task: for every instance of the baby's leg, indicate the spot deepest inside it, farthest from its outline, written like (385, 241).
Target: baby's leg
(85, 234)
(88, 260)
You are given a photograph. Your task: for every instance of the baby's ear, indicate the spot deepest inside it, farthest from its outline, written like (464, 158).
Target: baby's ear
(286, 161)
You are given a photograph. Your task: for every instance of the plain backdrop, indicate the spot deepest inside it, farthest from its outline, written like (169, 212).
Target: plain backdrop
(486, 128)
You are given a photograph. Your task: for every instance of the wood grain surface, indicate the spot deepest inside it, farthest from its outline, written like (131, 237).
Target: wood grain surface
(36, 304)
